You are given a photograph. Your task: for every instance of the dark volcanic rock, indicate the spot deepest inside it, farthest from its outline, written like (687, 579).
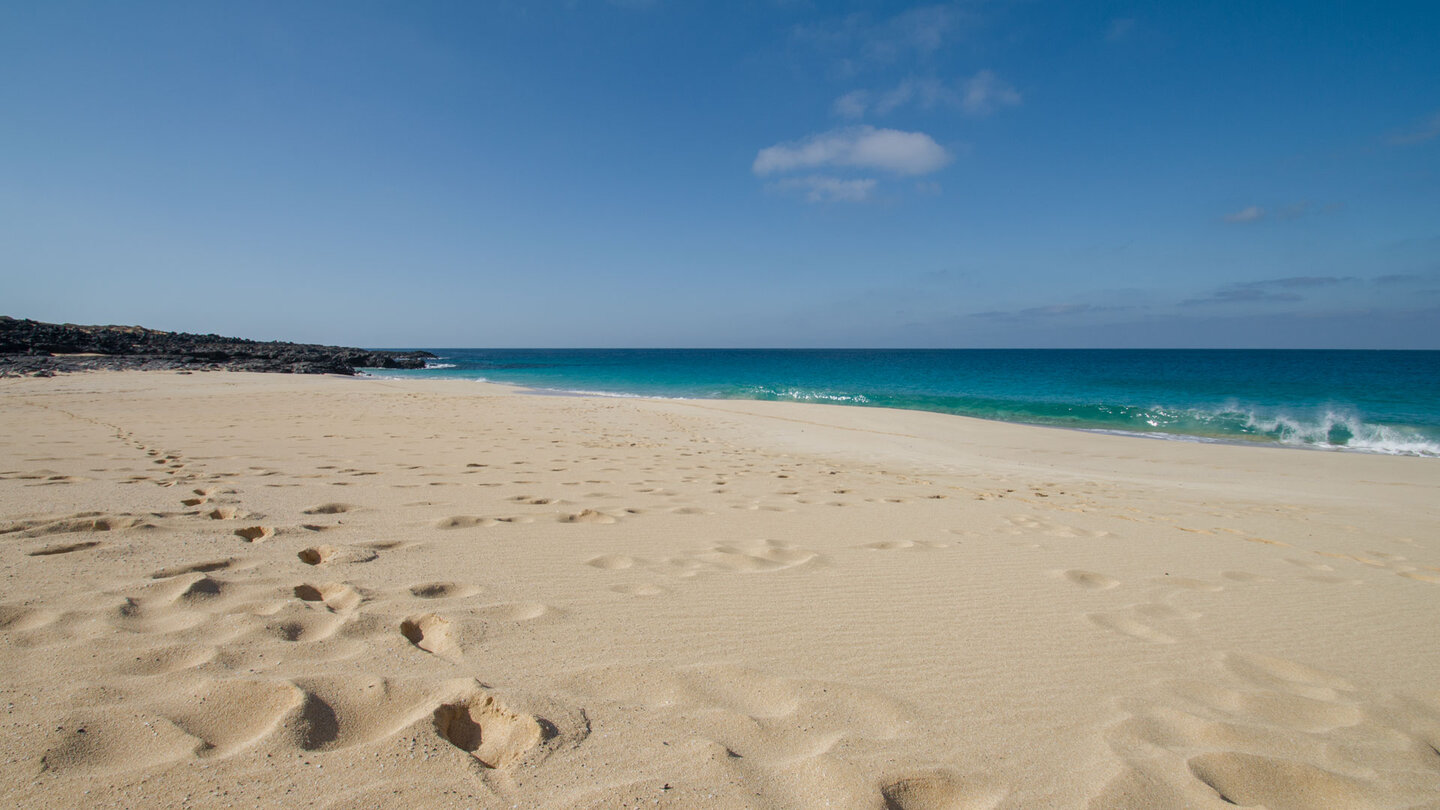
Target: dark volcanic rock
(42, 349)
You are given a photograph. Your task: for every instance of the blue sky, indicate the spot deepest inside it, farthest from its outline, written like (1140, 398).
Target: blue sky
(688, 173)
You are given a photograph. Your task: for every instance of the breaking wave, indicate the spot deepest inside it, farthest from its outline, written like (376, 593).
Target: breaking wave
(1323, 428)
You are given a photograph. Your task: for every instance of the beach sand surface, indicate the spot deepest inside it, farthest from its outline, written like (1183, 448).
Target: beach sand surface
(246, 590)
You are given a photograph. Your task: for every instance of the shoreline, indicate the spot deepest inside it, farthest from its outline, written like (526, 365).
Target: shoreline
(303, 590)
(1155, 436)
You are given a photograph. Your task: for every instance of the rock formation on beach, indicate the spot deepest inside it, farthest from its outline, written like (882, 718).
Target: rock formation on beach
(42, 349)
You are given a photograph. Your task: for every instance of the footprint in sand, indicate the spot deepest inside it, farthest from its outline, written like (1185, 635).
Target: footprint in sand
(341, 711)
(443, 590)
(939, 790)
(255, 534)
(1311, 715)
(114, 741)
(770, 555)
(329, 509)
(205, 589)
(337, 596)
(465, 522)
(317, 555)
(1127, 626)
(1251, 780)
(1270, 741)
(137, 616)
(1091, 580)
(488, 730)
(431, 633)
(611, 562)
(1279, 707)
(61, 480)
(1279, 673)
(299, 624)
(588, 516)
(894, 545)
(322, 555)
(229, 716)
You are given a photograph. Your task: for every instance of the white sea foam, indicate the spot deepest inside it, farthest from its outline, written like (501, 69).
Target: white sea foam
(802, 395)
(431, 365)
(1164, 437)
(1340, 430)
(1335, 429)
(580, 392)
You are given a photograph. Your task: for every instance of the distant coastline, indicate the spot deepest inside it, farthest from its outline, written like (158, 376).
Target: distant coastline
(38, 349)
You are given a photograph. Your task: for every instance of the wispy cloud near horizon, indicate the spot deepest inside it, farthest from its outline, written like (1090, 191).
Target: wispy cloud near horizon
(1275, 291)
(1051, 311)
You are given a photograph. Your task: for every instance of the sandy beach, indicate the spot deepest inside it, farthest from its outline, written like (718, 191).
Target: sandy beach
(239, 590)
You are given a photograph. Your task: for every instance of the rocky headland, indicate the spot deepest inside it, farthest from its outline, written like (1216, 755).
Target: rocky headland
(33, 348)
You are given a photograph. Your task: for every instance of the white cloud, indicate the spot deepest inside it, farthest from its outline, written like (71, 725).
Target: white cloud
(1253, 213)
(852, 104)
(1295, 210)
(985, 92)
(979, 95)
(918, 31)
(1425, 130)
(894, 99)
(822, 188)
(863, 147)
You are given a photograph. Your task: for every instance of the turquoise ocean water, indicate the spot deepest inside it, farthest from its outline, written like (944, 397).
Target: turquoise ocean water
(1368, 401)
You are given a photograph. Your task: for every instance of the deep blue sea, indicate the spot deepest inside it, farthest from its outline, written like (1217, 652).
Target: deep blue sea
(1370, 401)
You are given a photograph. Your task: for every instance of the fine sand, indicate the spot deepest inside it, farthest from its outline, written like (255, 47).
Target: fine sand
(263, 590)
